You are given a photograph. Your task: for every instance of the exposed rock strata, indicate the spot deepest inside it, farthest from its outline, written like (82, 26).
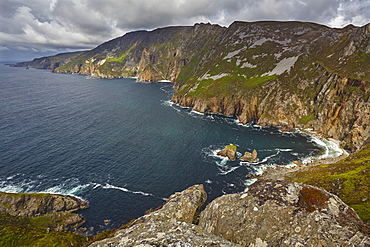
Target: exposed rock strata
(268, 213)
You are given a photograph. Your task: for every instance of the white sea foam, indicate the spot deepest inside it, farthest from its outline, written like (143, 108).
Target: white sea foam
(196, 112)
(109, 186)
(331, 147)
(250, 181)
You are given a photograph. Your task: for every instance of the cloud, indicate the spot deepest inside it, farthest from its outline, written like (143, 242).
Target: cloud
(47, 25)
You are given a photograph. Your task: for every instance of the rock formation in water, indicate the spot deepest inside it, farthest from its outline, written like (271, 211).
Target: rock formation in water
(250, 157)
(229, 151)
(268, 213)
(290, 74)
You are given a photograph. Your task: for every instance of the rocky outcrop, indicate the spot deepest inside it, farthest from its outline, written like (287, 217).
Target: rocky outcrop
(52, 211)
(280, 213)
(170, 225)
(34, 204)
(268, 213)
(250, 157)
(229, 151)
(181, 206)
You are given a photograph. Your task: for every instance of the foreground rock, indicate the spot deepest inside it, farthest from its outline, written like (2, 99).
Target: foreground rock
(250, 157)
(229, 151)
(268, 213)
(280, 213)
(169, 226)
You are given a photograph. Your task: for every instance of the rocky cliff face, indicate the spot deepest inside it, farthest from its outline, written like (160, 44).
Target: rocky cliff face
(268, 213)
(34, 205)
(291, 74)
(55, 211)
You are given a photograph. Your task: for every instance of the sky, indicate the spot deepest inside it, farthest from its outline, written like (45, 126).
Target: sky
(35, 28)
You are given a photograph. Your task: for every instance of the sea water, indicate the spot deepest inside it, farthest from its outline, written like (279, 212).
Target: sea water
(122, 145)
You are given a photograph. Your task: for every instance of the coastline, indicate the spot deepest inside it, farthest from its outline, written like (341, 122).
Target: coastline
(281, 172)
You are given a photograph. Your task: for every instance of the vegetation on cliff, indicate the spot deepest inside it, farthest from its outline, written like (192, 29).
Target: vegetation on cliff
(348, 178)
(37, 219)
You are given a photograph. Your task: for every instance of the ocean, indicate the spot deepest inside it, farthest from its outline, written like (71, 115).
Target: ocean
(123, 146)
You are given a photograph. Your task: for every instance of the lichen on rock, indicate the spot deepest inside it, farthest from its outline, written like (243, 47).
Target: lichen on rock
(280, 213)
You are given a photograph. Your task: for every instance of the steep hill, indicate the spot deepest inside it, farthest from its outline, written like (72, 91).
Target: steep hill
(291, 74)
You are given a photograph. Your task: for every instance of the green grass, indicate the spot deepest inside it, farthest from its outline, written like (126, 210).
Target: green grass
(349, 179)
(305, 120)
(231, 147)
(25, 231)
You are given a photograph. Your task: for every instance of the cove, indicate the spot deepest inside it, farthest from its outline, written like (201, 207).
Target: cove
(122, 145)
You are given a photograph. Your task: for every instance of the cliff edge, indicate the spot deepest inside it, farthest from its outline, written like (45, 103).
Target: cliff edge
(268, 213)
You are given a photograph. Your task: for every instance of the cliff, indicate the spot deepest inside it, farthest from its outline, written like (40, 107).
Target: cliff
(290, 74)
(268, 213)
(40, 220)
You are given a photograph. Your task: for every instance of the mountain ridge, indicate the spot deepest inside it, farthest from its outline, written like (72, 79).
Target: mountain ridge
(290, 74)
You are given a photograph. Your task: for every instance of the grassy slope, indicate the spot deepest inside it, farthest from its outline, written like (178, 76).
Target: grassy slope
(348, 178)
(26, 231)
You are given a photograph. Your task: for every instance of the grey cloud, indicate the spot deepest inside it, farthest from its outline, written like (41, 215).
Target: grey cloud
(47, 25)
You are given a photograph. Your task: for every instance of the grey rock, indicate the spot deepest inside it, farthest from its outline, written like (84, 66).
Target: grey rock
(280, 213)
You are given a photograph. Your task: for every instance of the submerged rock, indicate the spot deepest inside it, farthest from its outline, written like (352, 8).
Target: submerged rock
(250, 157)
(281, 213)
(229, 151)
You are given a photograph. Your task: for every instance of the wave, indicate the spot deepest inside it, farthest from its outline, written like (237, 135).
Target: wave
(331, 147)
(71, 187)
(109, 186)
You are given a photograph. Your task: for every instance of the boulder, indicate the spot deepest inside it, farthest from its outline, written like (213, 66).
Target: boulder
(281, 213)
(250, 157)
(171, 225)
(181, 206)
(229, 151)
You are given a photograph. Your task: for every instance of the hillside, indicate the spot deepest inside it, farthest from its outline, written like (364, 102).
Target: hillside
(290, 74)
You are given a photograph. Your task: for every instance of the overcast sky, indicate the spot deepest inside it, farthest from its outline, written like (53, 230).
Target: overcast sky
(30, 28)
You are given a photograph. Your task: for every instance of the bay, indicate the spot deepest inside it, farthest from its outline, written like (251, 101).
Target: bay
(122, 145)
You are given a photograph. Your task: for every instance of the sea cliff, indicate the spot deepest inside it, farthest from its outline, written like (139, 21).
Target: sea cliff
(291, 74)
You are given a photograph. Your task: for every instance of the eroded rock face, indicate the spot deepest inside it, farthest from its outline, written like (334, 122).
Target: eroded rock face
(34, 205)
(280, 213)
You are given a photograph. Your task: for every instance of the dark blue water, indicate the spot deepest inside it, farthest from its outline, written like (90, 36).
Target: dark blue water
(120, 144)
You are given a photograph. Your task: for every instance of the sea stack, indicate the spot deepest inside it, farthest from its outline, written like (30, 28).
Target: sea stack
(250, 157)
(229, 151)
